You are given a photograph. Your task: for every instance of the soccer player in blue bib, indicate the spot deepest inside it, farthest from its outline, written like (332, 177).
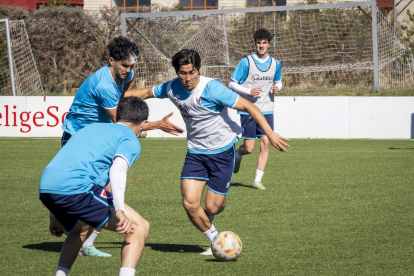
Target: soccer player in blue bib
(98, 96)
(96, 101)
(257, 78)
(203, 103)
(72, 186)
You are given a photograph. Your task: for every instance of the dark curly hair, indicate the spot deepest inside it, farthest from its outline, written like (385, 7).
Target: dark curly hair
(121, 48)
(261, 34)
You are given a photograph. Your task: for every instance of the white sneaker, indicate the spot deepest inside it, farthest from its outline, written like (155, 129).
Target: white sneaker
(208, 252)
(258, 185)
(93, 252)
(237, 164)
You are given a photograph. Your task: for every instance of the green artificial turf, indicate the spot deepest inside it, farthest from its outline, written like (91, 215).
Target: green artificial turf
(331, 207)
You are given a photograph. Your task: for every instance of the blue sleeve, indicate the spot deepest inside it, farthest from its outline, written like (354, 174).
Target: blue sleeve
(278, 75)
(241, 72)
(215, 96)
(106, 95)
(160, 91)
(129, 148)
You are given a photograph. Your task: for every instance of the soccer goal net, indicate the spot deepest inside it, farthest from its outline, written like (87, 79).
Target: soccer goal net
(325, 47)
(18, 72)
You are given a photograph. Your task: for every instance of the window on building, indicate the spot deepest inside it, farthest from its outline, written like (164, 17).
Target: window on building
(131, 4)
(259, 3)
(199, 4)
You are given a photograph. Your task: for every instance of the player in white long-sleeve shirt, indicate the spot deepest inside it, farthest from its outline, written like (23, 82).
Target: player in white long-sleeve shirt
(257, 78)
(211, 134)
(72, 186)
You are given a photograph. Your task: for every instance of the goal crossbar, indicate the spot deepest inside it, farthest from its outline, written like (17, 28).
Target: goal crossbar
(245, 10)
(335, 44)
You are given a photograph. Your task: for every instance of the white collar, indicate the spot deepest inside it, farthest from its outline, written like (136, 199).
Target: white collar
(260, 59)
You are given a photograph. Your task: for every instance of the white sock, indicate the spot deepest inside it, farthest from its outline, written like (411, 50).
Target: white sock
(259, 175)
(211, 233)
(62, 271)
(126, 271)
(89, 241)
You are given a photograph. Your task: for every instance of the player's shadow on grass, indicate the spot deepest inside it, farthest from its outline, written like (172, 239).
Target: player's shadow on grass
(168, 247)
(218, 261)
(178, 248)
(45, 246)
(57, 246)
(162, 247)
(240, 185)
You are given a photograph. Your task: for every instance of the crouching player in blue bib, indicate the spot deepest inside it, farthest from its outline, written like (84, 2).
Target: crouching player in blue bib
(211, 135)
(72, 186)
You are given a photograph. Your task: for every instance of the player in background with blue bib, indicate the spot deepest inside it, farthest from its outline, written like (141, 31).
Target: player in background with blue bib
(211, 134)
(96, 101)
(257, 78)
(72, 186)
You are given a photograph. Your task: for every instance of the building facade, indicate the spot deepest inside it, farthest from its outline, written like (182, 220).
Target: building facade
(187, 4)
(402, 6)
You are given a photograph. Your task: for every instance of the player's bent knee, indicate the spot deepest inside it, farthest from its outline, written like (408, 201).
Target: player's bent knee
(264, 143)
(214, 208)
(191, 206)
(265, 146)
(249, 149)
(140, 224)
(141, 228)
(146, 227)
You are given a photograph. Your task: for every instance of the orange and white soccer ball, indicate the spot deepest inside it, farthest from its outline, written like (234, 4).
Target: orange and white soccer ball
(226, 246)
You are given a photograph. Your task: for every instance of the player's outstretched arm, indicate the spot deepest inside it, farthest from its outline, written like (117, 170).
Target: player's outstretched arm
(142, 93)
(165, 125)
(275, 139)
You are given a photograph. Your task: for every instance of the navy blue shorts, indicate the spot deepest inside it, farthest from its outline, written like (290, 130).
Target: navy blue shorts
(65, 138)
(91, 207)
(216, 169)
(251, 129)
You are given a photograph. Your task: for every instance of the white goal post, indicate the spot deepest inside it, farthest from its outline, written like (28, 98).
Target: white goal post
(18, 72)
(324, 47)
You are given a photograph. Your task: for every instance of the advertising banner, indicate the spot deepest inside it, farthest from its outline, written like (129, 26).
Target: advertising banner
(33, 116)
